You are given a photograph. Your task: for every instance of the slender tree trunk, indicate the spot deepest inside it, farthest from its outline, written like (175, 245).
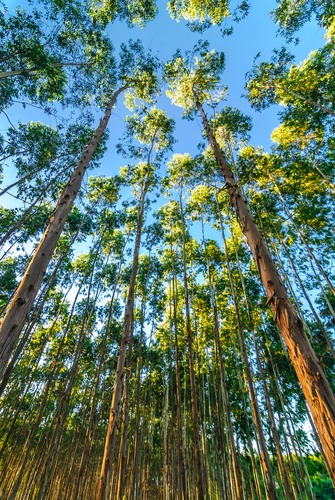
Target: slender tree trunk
(316, 388)
(189, 338)
(136, 450)
(104, 479)
(18, 224)
(217, 342)
(181, 452)
(24, 297)
(124, 436)
(90, 426)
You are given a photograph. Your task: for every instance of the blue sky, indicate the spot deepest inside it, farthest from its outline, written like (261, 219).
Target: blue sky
(257, 33)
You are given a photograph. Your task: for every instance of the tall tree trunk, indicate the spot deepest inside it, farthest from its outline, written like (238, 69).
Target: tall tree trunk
(86, 451)
(315, 386)
(34, 319)
(136, 450)
(217, 342)
(194, 404)
(104, 479)
(181, 451)
(24, 297)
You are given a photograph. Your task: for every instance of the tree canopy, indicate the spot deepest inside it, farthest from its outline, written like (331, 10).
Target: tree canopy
(167, 274)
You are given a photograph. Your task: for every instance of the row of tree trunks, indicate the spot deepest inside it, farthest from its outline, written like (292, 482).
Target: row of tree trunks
(25, 294)
(311, 376)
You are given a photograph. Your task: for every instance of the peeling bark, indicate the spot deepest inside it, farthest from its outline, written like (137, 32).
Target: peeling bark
(311, 376)
(25, 294)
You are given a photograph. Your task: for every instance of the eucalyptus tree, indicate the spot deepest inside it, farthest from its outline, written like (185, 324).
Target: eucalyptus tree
(135, 72)
(191, 86)
(43, 48)
(172, 343)
(304, 201)
(153, 131)
(201, 15)
(134, 13)
(37, 151)
(28, 66)
(179, 173)
(290, 15)
(304, 91)
(31, 146)
(300, 222)
(304, 137)
(56, 51)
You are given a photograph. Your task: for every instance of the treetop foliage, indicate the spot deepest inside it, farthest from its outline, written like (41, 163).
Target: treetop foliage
(134, 12)
(195, 77)
(145, 240)
(290, 15)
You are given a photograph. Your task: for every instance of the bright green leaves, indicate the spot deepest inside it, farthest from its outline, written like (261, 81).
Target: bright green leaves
(29, 64)
(52, 54)
(137, 69)
(279, 81)
(180, 170)
(38, 151)
(39, 141)
(104, 188)
(266, 78)
(195, 77)
(8, 269)
(204, 13)
(292, 14)
(231, 127)
(153, 128)
(286, 135)
(306, 93)
(134, 12)
(199, 10)
(148, 136)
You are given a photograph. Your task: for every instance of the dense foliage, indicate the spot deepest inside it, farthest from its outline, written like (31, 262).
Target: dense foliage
(140, 355)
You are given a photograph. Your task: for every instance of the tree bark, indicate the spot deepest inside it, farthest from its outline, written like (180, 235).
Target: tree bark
(181, 452)
(103, 486)
(24, 297)
(315, 386)
(197, 450)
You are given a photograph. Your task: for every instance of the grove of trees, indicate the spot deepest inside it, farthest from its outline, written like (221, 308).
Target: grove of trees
(167, 315)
